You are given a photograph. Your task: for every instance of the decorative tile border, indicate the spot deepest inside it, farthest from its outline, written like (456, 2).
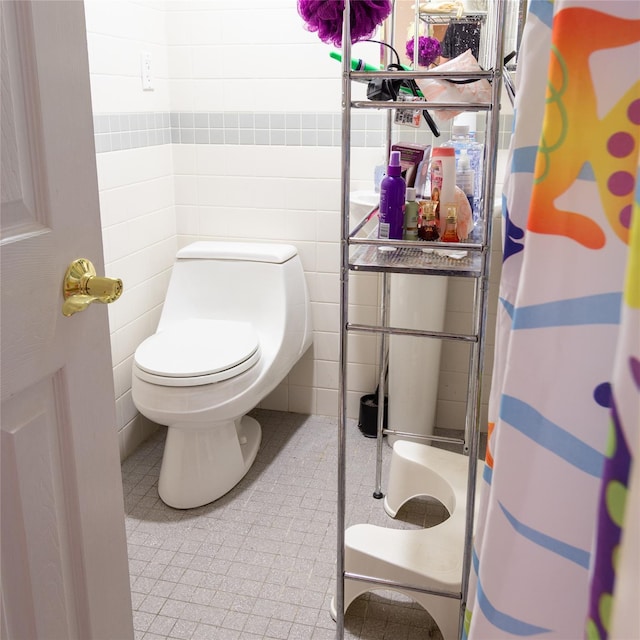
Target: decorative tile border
(121, 131)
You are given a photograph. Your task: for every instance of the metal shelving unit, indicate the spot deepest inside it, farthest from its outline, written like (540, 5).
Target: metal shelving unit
(469, 260)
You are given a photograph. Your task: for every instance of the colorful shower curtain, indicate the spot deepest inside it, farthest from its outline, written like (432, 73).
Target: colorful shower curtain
(564, 408)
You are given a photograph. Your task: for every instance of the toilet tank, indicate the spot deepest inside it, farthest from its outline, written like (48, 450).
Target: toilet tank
(252, 282)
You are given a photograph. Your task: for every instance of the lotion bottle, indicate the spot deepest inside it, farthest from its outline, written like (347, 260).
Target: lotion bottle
(443, 181)
(411, 215)
(392, 196)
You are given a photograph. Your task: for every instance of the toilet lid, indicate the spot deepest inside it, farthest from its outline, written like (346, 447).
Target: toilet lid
(197, 347)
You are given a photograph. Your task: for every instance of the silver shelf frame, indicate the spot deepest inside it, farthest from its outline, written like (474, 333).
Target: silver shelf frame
(356, 257)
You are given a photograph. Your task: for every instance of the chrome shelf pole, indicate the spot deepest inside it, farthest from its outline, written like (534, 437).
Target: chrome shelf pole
(344, 306)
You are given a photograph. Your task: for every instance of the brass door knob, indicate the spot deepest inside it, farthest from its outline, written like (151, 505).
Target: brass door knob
(82, 286)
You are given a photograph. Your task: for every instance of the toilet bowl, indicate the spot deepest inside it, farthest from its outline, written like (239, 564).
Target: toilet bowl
(235, 320)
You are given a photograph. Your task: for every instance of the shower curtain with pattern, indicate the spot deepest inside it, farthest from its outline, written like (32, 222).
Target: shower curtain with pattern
(564, 409)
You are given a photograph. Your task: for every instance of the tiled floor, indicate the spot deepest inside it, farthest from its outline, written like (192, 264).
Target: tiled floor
(260, 561)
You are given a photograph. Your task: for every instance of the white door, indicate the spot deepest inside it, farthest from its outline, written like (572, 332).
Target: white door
(64, 560)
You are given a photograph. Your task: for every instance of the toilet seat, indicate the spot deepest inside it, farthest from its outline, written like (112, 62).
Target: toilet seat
(197, 351)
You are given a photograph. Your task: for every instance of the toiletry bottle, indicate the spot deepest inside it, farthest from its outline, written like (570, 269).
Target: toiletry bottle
(392, 195)
(463, 138)
(465, 176)
(422, 183)
(379, 172)
(450, 231)
(411, 215)
(443, 180)
(428, 229)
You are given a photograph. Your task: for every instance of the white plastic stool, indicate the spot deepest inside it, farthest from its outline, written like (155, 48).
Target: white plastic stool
(423, 470)
(428, 558)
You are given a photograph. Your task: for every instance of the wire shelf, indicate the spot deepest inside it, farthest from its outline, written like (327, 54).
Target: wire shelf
(447, 18)
(444, 262)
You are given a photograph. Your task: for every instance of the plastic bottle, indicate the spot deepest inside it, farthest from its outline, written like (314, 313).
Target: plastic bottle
(392, 197)
(451, 228)
(422, 183)
(443, 180)
(411, 215)
(465, 176)
(379, 172)
(463, 138)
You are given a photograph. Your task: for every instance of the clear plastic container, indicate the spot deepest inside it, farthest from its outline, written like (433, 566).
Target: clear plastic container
(466, 176)
(462, 138)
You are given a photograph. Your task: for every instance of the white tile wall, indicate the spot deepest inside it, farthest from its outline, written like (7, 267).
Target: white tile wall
(139, 236)
(118, 31)
(249, 57)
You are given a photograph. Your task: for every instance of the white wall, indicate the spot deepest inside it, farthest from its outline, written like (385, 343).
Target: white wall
(239, 139)
(136, 182)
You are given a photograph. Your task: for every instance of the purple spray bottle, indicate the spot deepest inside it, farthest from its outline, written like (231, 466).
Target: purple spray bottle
(392, 196)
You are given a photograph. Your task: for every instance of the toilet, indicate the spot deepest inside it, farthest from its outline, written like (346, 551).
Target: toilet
(235, 320)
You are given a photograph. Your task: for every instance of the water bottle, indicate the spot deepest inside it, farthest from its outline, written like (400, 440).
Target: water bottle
(462, 138)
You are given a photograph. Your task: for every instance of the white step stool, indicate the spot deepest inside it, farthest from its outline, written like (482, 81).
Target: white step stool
(428, 558)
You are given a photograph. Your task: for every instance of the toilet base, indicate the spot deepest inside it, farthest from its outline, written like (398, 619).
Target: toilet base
(201, 464)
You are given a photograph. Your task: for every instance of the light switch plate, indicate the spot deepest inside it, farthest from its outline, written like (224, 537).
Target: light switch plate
(147, 77)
